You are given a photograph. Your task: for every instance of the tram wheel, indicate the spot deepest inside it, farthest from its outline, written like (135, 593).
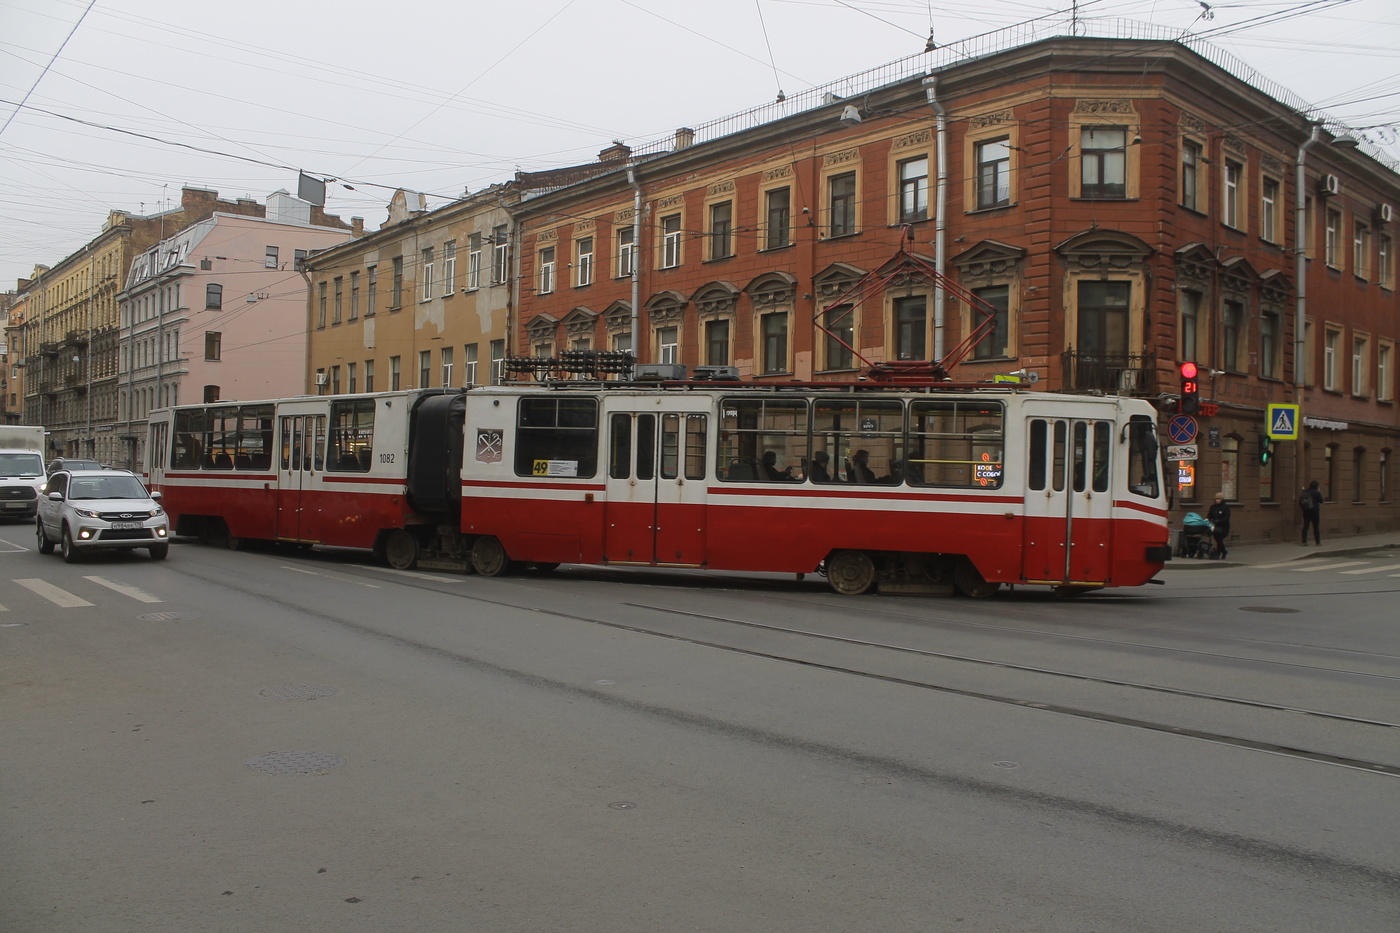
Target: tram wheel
(400, 549)
(971, 583)
(850, 573)
(489, 557)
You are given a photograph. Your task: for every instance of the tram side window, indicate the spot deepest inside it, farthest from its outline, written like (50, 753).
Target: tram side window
(863, 439)
(959, 442)
(557, 437)
(221, 440)
(1143, 457)
(1103, 431)
(254, 450)
(753, 428)
(352, 435)
(188, 448)
(683, 445)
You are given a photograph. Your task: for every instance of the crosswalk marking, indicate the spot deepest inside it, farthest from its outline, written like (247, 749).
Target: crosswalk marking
(1345, 563)
(1294, 564)
(126, 589)
(61, 598)
(1374, 569)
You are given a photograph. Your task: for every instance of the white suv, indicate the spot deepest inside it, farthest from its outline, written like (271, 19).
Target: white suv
(82, 510)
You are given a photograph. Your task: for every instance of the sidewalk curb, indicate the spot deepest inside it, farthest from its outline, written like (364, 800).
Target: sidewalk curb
(1187, 563)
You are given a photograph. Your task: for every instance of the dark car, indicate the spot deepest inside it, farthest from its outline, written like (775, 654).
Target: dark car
(72, 463)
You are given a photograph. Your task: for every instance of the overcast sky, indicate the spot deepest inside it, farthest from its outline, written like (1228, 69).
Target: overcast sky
(447, 96)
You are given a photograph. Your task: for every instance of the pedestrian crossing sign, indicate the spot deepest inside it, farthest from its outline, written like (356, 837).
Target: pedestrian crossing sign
(1283, 422)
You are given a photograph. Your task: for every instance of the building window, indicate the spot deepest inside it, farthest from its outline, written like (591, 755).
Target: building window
(1358, 484)
(425, 368)
(339, 305)
(1383, 475)
(449, 267)
(335, 380)
(583, 261)
(298, 257)
(775, 341)
(1190, 175)
(1188, 330)
(354, 297)
(1270, 345)
(995, 344)
(469, 365)
(445, 362)
(721, 230)
(213, 341)
(1234, 330)
(498, 362)
(546, 270)
(1103, 157)
(428, 270)
(270, 259)
(910, 328)
(841, 196)
(372, 283)
(474, 261)
(670, 241)
(717, 342)
(395, 368)
(668, 344)
(1230, 467)
(1268, 211)
(214, 296)
(321, 304)
(994, 173)
(1384, 273)
(778, 213)
(913, 189)
(1330, 350)
(1360, 364)
(626, 251)
(840, 324)
(500, 253)
(1330, 236)
(351, 384)
(369, 375)
(1385, 390)
(1234, 172)
(396, 295)
(1360, 250)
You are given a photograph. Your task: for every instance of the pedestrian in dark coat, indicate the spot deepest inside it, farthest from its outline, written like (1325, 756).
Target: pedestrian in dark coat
(1311, 503)
(1219, 518)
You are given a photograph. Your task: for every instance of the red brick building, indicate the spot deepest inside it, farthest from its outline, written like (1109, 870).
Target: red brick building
(1123, 206)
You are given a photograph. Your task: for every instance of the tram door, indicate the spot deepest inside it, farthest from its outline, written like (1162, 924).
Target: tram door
(301, 457)
(1067, 534)
(656, 471)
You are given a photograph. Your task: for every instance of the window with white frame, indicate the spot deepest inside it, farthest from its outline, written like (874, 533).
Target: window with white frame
(721, 230)
(270, 259)
(1268, 211)
(583, 261)
(910, 328)
(774, 335)
(546, 270)
(1385, 374)
(425, 369)
(369, 375)
(1103, 162)
(469, 365)
(839, 324)
(1331, 349)
(395, 373)
(351, 382)
(396, 292)
(339, 299)
(354, 297)
(1360, 250)
(626, 250)
(449, 267)
(426, 292)
(777, 218)
(1360, 363)
(1234, 176)
(913, 189)
(717, 342)
(500, 254)
(670, 241)
(445, 364)
(841, 204)
(372, 289)
(474, 261)
(1190, 175)
(994, 172)
(995, 344)
(1331, 233)
(498, 362)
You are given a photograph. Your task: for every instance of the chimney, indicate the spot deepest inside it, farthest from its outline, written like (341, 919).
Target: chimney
(617, 152)
(357, 226)
(685, 138)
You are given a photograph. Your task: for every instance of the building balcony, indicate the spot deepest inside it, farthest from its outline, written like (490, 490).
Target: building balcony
(1110, 374)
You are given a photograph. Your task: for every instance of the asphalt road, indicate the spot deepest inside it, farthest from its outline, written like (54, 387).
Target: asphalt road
(270, 741)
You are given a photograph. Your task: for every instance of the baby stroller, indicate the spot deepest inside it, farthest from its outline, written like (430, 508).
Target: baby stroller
(1195, 537)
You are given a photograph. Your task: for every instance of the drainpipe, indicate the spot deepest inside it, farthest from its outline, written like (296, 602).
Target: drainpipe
(1301, 224)
(940, 199)
(636, 257)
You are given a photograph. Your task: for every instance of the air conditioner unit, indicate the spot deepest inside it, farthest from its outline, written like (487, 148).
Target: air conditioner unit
(322, 379)
(1329, 185)
(1384, 213)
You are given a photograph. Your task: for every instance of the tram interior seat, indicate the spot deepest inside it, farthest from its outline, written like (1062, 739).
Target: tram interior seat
(365, 459)
(260, 461)
(242, 462)
(223, 461)
(742, 471)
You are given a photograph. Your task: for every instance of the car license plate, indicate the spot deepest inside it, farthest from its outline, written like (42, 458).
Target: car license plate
(125, 526)
(14, 505)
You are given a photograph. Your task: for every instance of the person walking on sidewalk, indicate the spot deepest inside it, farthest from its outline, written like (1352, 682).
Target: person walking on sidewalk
(1310, 501)
(1219, 518)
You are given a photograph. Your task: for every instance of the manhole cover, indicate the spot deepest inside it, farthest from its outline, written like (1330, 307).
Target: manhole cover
(298, 691)
(1268, 609)
(1005, 765)
(168, 616)
(296, 763)
(622, 805)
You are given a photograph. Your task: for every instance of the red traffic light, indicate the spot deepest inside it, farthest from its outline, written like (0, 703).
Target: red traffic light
(1188, 371)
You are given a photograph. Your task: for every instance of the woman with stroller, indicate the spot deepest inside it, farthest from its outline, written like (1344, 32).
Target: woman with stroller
(1219, 518)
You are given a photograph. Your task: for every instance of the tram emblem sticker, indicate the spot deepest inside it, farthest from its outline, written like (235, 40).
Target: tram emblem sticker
(489, 442)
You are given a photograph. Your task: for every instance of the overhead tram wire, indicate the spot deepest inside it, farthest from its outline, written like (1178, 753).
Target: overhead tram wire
(35, 85)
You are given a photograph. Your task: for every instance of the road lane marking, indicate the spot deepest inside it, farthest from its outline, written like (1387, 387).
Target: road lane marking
(1345, 563)
(1375, 569)
(1299, 562)
(61, 598)
(417, 574)
(126, 589)
(331, 576)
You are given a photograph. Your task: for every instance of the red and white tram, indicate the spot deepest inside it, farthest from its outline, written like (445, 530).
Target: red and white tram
(901, 487)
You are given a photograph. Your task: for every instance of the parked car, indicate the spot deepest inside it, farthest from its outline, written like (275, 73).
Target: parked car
(88, 510)
(70, 463)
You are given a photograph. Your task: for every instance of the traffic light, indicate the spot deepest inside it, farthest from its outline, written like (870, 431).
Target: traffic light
(1190, 389)
(1266, 451)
